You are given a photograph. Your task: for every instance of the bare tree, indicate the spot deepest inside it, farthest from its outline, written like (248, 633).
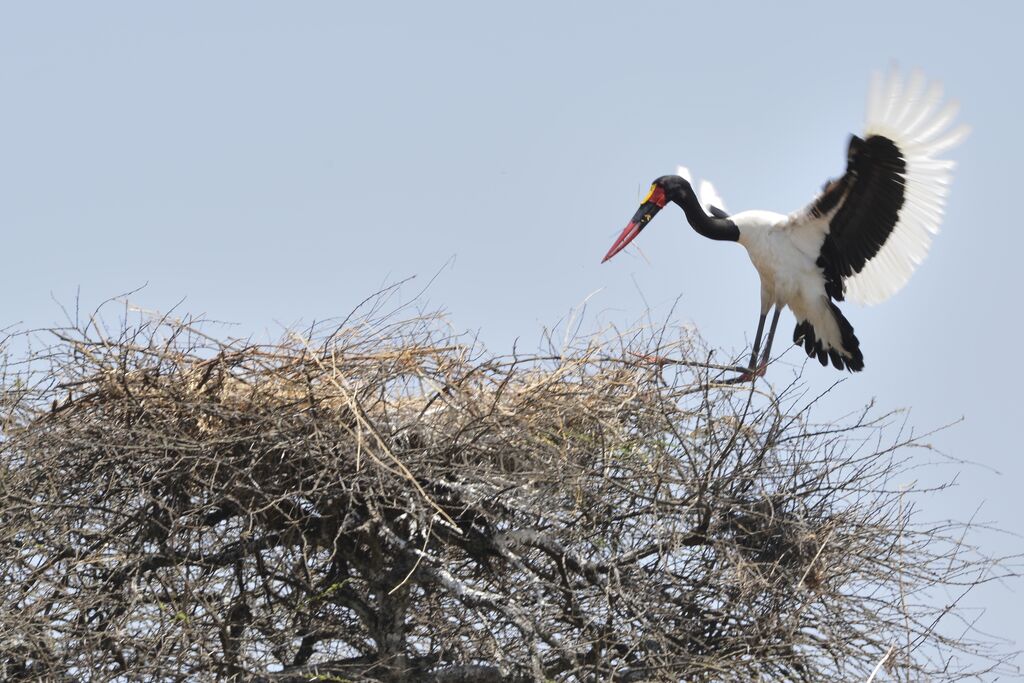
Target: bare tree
(377, 500)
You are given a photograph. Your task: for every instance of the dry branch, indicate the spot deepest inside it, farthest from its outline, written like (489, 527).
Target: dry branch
(378, 501)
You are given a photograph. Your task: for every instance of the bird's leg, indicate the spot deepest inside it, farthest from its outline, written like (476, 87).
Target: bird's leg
(763, 365)
(757, 347)
(754, 370)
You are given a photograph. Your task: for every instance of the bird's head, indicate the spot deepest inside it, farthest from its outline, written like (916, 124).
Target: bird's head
(667, 188)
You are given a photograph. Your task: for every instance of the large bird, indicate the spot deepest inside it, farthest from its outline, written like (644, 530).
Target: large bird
(861, 238)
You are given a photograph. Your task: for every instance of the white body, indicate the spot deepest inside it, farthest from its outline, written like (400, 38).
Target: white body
(785, 252)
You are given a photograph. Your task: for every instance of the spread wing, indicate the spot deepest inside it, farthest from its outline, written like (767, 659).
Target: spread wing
(874, 225)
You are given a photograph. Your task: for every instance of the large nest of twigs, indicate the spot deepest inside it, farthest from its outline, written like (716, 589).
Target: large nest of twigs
(378, 501)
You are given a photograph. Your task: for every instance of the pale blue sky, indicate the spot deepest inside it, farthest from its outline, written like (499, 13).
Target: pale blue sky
(276, 162)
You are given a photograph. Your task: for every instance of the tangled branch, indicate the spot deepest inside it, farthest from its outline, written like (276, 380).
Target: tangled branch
(379, 501)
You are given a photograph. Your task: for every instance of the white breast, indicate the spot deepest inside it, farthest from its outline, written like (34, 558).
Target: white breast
(788, 273)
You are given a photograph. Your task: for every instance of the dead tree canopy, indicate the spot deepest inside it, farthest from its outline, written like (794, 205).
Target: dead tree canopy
(379, 501)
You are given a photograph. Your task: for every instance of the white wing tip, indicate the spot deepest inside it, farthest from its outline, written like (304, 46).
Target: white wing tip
(709, 196)
(908, 111)
(915, 114)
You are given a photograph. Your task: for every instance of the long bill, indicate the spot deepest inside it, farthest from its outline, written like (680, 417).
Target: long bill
(640, 220)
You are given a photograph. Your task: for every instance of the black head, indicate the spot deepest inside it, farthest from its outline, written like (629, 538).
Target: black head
(676, 188)
(667, 188)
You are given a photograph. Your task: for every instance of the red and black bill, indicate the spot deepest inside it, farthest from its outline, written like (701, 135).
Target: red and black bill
(650, 206)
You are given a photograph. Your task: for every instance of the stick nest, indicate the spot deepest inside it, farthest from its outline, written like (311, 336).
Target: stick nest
(378, 500)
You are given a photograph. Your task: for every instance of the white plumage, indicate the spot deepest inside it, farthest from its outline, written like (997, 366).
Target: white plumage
(908, 118)
(709, 197)
(860, 238)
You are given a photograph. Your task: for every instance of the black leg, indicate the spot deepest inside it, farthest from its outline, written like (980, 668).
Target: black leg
(771, 336)
(748, 372)
(757, 341)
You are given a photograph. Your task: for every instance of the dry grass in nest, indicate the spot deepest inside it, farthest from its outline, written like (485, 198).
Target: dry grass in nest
(377, 500)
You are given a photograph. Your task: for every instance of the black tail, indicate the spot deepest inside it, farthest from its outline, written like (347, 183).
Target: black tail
(849, 357)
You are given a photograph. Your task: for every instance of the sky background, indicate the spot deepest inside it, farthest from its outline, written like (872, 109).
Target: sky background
(275, 163)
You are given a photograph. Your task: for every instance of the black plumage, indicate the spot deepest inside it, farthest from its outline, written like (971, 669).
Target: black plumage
(850, 359)
(869, 197)
(861, 237)
(864, 205)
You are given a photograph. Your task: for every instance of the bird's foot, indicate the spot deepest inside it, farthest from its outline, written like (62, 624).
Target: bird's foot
(748, 374)
(759, 372)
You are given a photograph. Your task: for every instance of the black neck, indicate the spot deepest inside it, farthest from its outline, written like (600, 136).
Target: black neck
(712, 228)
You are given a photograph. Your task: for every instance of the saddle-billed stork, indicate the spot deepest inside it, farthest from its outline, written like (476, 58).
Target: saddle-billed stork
(860, 238)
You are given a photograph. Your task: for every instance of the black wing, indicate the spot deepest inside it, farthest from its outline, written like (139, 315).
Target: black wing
(873, 226)
(866, 203)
